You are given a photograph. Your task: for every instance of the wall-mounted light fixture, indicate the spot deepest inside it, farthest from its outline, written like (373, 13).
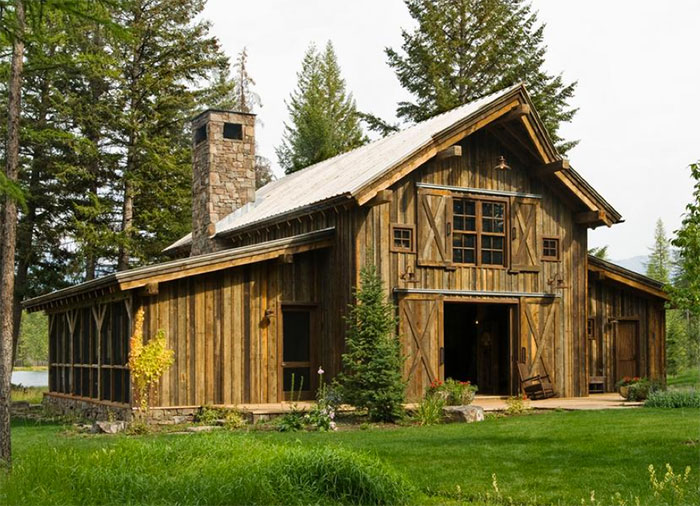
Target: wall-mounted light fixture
(502, 165)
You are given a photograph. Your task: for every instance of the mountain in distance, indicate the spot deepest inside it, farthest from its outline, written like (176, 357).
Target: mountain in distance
(637, 263)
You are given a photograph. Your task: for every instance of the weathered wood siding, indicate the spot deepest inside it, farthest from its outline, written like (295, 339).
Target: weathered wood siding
(475, 169)
(608, 305)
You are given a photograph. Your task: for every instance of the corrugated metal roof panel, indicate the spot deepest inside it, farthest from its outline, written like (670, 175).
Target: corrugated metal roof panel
(345, 173)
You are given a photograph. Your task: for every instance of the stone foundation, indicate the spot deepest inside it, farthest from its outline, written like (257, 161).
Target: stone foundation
(81, 408)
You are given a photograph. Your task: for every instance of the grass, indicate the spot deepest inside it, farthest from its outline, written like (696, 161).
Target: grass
(687, 378)
(32, 368)
(32, 395)
(553, 458)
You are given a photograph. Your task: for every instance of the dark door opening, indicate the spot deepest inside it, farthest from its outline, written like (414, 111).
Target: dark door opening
(477, 345)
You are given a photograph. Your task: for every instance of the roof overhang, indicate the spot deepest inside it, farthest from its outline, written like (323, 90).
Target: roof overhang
(177, 269)
(608, 271)
(515, 106)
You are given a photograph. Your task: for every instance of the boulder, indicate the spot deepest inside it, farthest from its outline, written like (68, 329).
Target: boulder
(110, 427)
(467, 414)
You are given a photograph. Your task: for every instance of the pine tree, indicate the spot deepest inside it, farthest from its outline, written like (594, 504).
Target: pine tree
(659, 265)
(599, 252)
(372, 366)
(686, 292)
(168, 54)
(324, 121)
(464, 49)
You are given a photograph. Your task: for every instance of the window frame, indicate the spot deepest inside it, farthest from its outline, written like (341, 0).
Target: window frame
(398, 249)
(478, 232)
(549, 258)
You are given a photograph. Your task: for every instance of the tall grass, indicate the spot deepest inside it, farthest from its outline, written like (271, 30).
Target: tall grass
(201, 469)
(32, 395)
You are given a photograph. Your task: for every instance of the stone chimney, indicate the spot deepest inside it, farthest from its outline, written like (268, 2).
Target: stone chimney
(223, 171)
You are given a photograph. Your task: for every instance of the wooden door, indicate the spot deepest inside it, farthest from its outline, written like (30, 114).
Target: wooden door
(434, 228)
(626, 349)
(420, 330)
(524, 240)
(538, 331)
(297, 378)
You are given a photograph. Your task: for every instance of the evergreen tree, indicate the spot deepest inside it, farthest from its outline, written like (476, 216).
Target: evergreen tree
(599, 252)
(372, 366)
(659, 265)
(464, 49)
(161, 64)
(324, 121)
(686, 293)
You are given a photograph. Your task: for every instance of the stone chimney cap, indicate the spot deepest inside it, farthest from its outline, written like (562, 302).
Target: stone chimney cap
(202, 113)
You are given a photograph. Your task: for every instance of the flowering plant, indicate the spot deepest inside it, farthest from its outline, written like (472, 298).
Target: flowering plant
(627, 381)
(453, 392)
(322, 415)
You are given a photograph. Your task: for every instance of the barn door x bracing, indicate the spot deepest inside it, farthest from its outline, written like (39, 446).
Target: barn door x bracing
(421, 336)
(538, 331)
(434, 228)
(524, 255)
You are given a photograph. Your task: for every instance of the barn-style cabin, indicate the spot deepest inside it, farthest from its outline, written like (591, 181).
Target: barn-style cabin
(476, 224)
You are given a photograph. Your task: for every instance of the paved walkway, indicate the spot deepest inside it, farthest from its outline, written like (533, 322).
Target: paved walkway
(488, 402)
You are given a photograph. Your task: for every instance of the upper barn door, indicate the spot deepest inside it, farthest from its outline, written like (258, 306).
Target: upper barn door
(524, 257)
(421, 337)
(538, 332)
(434, 228)
(626, 349)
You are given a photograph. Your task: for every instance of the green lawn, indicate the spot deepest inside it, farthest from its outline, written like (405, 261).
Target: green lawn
(687, 378)
(548, 458)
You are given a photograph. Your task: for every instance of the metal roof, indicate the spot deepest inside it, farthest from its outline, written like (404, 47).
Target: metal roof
(346, 173)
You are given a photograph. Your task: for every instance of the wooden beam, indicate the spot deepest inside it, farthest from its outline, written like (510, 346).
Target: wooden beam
(452, 151)
(286, 258)
(589, 217)
(605, 275)
(553, 167)
(516, 113)
(382, 197)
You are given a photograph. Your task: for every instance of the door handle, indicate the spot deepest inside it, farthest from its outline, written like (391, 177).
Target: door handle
(442, 355)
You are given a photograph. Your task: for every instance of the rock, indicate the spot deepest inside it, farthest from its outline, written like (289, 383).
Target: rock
(19, 405)
(110, 427)
(202, 428)
(467, 414)
(178, 419)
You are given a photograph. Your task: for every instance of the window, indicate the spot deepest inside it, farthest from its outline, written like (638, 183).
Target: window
(200, 135)
(402, 238)
(233, 131)
(479, 232)
(550, 249)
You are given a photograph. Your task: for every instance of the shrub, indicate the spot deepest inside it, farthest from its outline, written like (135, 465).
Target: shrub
(687, 398)
(517, 405)
(292, 421)
(372, 378)
(429, 411)
(147, 362)
(453, 392)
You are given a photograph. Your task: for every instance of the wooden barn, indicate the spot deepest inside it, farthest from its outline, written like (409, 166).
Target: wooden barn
(476, 224)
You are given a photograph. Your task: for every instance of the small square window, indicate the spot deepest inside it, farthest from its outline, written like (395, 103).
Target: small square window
(550, 249)
(200, 135)
(402, 238)
(233, 131)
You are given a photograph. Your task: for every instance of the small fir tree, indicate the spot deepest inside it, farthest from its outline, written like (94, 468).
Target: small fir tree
(372, 366)
(599, 252)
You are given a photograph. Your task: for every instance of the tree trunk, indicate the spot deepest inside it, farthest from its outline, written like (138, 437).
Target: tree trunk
(9, 234)
(127, 223)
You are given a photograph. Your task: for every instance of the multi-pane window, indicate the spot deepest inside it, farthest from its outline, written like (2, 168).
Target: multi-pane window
(550, 248)
(402, 238)
(479, 232)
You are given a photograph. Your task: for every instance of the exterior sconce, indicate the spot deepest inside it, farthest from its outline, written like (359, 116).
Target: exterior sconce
(502, 165)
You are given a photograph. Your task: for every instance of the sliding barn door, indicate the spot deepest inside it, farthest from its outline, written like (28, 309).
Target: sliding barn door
(627, 349)
(420, 330)
(538, 336)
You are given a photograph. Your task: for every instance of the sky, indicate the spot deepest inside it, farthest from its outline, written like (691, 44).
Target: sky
(636, 64)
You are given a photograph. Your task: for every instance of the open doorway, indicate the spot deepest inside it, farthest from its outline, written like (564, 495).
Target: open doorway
(477, 345)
